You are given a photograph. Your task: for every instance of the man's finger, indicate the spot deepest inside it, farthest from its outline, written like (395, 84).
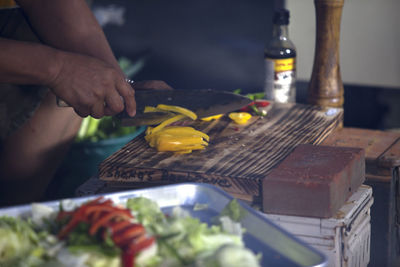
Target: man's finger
(114, 103)
(128, 95)
(108, 111)
(97, 110)
(83, 112)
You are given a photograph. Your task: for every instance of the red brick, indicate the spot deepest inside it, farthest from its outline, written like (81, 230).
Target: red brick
(313, 181)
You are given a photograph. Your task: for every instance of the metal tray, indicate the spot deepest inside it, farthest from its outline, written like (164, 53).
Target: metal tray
(278, 247)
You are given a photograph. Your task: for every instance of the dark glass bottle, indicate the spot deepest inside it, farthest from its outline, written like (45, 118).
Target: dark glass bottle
(280, 61)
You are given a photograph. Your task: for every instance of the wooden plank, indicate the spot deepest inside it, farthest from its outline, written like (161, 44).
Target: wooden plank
(374, 142)
(237, 158)
(391, 157)
(382, 148)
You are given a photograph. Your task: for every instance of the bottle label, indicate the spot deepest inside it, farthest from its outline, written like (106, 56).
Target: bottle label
(284, 64)
(280, 80)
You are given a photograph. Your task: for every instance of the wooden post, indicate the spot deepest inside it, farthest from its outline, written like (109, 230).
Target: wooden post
(326, 87)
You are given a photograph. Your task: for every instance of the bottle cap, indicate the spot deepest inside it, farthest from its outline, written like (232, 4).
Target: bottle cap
(281, 16)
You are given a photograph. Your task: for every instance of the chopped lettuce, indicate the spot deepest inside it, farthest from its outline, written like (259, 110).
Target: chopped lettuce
(234, 211)
(19, 243)
(183, 238)
(146, 211)
(229, 256)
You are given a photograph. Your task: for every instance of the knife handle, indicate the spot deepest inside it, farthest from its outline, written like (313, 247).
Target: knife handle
(63, 104)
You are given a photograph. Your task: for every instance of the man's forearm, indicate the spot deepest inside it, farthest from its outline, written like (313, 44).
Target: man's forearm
(70, 26)
(27, 63)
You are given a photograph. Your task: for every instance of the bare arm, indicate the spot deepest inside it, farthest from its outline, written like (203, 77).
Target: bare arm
(75, 60)
(86, 83)
(27, 63)
(69, 26)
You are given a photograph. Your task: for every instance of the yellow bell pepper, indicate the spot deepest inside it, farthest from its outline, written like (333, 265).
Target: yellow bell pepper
(240, 117)
(187, 137)
(179, 110)
(177, 143)
(148, 109)
(166, 123)
(177, 139)
(184, 130)
(210, 118)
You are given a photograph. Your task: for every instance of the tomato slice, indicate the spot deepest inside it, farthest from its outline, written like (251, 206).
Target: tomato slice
(119, 226)
(105, 219)
(128, 259)
(103, 216)
(141, 244)
(128, 235)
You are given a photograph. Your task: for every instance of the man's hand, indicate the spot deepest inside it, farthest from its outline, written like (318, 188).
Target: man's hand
(92, 87)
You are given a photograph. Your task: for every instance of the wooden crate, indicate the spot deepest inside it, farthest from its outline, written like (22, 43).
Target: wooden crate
(382, 153)
(344, 238)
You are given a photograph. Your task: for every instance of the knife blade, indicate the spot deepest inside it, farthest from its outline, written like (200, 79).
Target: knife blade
(203, 102)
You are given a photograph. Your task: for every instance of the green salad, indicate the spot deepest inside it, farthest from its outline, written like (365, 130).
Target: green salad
(100, 233)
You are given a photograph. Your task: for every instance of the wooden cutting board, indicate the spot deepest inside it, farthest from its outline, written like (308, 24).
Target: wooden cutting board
(238, 156)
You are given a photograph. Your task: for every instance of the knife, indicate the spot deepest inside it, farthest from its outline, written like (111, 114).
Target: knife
(204, 102)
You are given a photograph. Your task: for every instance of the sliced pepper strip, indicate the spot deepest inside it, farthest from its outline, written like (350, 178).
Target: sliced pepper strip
(166, 123)
(175, 138)
(177, 131)
(185, 130)
(179, 110)
(148, 109)
(180, 140)
(210, 118)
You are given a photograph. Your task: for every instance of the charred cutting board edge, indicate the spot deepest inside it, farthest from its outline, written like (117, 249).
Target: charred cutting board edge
(128, 175)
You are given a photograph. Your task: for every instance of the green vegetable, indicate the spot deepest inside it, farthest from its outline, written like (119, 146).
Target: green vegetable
(94, 130)
(19, 243)
(256, 96)
(83, 129)
(229, 256)
(252, 96)
(131, 68)
(99, 260)
(234, 211)
(146, 211)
